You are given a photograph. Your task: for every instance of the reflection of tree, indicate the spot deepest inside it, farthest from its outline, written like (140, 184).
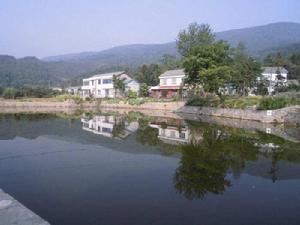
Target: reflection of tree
(201, 170)
(146, 134)
(278, 149)
(203, 167)
(119, 127)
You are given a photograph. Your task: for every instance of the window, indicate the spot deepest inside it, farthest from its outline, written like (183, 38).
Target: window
(85, 83)
(92, 82)
(106, 130)
(99, 81)
(182, 135)
(107, 81)
(99, 92)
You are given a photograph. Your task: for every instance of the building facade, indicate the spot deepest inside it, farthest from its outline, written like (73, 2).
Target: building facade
(275, 76)
(170, 84)
(101, 85)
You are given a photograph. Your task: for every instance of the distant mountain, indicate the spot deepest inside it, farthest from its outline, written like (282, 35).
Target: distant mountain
(260, 40)
(257, 39)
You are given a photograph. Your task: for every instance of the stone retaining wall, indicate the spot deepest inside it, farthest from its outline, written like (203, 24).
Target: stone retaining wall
(167, 106)
(44, 106)
(265, 116)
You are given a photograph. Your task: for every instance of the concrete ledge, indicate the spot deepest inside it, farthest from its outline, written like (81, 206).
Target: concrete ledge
(13, 212)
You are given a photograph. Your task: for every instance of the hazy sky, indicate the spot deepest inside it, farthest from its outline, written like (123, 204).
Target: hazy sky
(50, 27)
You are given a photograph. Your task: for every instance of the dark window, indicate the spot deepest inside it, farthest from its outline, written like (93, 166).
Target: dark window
(107, 81)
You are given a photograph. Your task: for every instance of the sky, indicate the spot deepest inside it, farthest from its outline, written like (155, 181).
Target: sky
(53, 27)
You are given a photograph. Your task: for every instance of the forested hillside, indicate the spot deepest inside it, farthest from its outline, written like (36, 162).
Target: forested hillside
(56, 70)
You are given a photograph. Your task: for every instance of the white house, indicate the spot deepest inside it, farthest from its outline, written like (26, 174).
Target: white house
(274, 76)
(73, 90)
(101, 85)
(170, 82)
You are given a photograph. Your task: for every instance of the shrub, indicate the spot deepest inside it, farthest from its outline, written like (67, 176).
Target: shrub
(270, 103)
(241, 102)
(136, 101)
(202, 101)
(65, 97)
(144, 90)
(132, 94)
(10, 93)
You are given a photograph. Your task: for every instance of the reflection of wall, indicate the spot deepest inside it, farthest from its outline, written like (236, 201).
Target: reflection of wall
(104, 125)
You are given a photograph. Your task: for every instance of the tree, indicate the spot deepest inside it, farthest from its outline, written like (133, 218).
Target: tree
(149, 74)
(10, 93)
(1, 90)
(208, 67)
(206, 61)
(194, 35)
(144, 90)
(170, 62)
(118, 84)
(246, 70)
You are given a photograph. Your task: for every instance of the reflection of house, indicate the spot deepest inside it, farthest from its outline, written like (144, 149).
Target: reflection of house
(172, 133)
(108, 126)
(101, 85)
(170, 84)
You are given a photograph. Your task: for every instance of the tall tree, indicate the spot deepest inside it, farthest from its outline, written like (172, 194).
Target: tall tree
(149, 74)
(118, 84)
(246, 70)
(194, 35)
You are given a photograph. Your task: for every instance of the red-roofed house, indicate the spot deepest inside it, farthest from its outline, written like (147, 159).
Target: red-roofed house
(170, 84)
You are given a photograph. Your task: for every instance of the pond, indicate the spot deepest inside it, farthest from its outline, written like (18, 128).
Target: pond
(112, 168)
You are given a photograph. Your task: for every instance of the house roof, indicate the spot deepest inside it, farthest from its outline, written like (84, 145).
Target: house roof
(273, 70)
(109, 74)
(104, 75)
(171, 73)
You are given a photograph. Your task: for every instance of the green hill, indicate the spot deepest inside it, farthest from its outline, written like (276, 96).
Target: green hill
(260, 41)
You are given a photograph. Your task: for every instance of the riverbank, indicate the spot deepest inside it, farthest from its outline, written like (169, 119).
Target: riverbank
(288, 115)
(69, 105)
(285, 115)
(13, 212)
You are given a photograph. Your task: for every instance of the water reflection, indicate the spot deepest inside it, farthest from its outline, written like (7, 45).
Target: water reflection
(109, 125)
(208, 153)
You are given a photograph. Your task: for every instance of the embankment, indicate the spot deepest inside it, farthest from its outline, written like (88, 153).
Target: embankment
(15, 106)
(284, 115)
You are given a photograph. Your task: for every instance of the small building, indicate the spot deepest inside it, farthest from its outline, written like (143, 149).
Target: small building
(275, 76)
(170, 84)
(73, 90)
(101, 85)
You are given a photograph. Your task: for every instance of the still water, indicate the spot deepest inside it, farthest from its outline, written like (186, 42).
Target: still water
(119, 169)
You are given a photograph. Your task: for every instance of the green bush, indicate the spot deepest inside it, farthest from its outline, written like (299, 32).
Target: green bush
(270, 103)
(65, 97)
(136, 101)
(240, 102)
(9, 93)
(144, 90)
(132, 94)
(210, 101)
